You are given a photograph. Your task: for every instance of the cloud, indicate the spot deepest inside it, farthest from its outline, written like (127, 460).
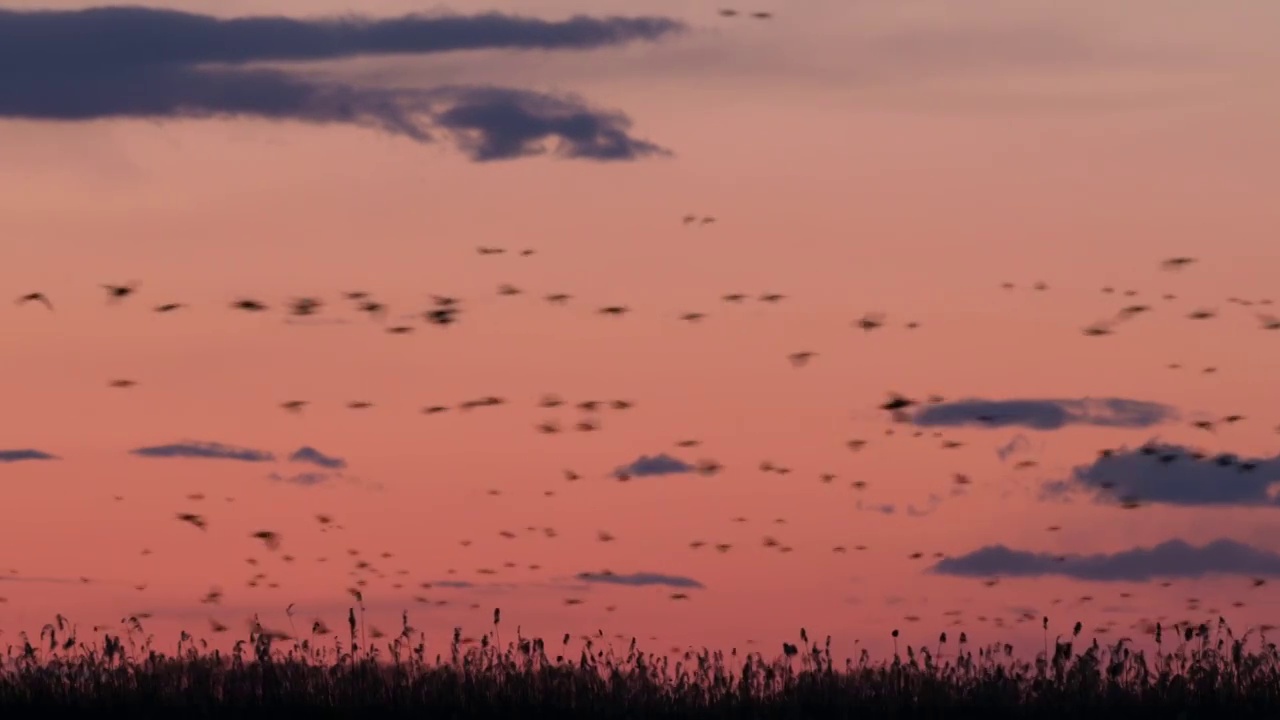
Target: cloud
(883, 509)
(638, 579)
(1171, 559)
(217, 451)
(1045, 414)
(40, 579)
(311, 455)
(10, 456)
(661, 464)
(1175, 475)
(458, 584)
(133, 62)
(1017, 444)
(315, 321)
(935, 500)
(305, 479)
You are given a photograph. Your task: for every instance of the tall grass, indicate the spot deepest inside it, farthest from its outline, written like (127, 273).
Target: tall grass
(1198, 672)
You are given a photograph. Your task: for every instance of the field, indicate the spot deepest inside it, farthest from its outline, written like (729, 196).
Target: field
(1187, 672)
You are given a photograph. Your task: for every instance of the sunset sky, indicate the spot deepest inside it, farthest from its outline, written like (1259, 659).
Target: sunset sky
(902, 158)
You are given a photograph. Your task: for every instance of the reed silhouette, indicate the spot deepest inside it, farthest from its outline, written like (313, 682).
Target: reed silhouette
(1197, 672)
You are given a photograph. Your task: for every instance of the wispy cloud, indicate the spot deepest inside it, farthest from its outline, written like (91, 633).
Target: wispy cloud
(40, 579)
(1171, 559)
(1175, 475)
(305, 479)
(133, 62)
(307, 454)
(10, 456)
(211, 450)
(881, 508)
(1017, 444)
(453, 584)
(933, 503)
(1045, 414)
(638, 579)
(661, 464)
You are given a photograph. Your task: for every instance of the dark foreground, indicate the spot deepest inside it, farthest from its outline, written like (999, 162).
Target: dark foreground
(1204, 674)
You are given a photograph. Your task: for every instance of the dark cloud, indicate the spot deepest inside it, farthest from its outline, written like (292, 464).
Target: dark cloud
(311, 455)
(305, 479)
(1170, 474)
(639, 579)
(661, 464)
(129, 62)
(1171, 559)
(1045, 414)
(210, 450)
(10, 456)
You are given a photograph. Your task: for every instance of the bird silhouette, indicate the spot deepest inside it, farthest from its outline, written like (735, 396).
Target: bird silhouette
(249, 305)
(35, 297)
(115, 293)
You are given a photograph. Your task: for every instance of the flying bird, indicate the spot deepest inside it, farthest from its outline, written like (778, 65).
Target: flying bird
(248, 305)
(1177, 263)
(35, 297)
(115, 293)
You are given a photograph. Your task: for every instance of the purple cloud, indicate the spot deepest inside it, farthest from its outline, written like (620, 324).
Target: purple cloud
(1171, 559)
(209, 450)
(134, 62)
(1174, 475)
(1044, 414)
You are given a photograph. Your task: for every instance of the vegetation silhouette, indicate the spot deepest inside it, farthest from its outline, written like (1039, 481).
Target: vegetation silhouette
(1207, 672)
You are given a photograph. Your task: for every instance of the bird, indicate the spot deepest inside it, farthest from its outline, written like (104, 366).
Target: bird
(269, 538)
(442, 316)
(35, 297)
(305, 306)
(897, 402)
(115, 293)
(193, 519)
(248, 305)
(802, 358)
(870, 321)
(1177, 263)
(372, 308)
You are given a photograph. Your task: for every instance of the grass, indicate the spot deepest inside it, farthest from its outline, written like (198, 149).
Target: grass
(1198, 672)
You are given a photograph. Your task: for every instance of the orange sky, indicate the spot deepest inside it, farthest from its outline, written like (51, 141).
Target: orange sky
(900, 158)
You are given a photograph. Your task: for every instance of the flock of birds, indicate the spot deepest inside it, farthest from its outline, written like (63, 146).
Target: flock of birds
(448, 310)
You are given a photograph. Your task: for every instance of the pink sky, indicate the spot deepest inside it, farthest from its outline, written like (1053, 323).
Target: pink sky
(859, 157)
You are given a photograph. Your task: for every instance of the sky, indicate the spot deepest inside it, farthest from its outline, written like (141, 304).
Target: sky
(899, 159)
